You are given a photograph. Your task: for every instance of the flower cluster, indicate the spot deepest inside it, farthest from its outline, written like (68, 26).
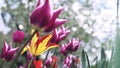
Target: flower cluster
(46, 36)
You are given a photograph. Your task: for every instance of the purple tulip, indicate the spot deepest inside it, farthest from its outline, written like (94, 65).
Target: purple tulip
(29, 56)
(44, 18)
(68, 61)
(63, 50)
(73, 45)
(18, 36)
(8, 52)
(48, 61)
(59, 34)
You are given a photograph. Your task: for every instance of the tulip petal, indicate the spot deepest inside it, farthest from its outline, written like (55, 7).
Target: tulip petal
(46, 10)
(24, 49)
(38, 63)
(59, 22)
(55, 36)
(42, 46)
(55, 15)
(38, 3)
(10, 54)
(53, 45)
(10, 46)
(4, 50)
(47, 48)
(41, 15)
(33, 42)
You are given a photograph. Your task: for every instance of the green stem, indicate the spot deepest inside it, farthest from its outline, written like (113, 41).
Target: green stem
(30, 62)
(46, 56)
(21, 48)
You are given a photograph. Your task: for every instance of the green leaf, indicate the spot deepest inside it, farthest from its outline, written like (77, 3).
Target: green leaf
(110, 63)
(88, 62)
(103, 55)
(103, 62)
(83, 59)
(95, 59)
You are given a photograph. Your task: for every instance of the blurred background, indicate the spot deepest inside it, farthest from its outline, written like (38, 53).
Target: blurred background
(92, 21)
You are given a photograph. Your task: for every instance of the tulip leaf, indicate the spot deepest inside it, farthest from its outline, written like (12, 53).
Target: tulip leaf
(88, 62)
(110, 63)
(95, 59)
(83, 59)
(103, 55)
(103, 62)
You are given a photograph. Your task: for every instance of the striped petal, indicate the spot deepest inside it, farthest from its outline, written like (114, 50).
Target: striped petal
(24, 49)
(33, 42)
(42, 45)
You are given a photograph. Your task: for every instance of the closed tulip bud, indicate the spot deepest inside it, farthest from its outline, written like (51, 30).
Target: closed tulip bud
(18, 36)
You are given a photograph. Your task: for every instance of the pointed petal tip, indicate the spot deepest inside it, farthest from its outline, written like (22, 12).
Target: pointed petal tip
(59, 9)
(38, 3)
(47, 2)
(59, 22)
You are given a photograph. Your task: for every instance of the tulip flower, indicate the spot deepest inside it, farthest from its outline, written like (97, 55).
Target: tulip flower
(67, 61)
(51, 62)
(38, 63)
(39, 45)
(29, 56)
(48, 61)
(63, 50)
(73, 45)
(70, 61)
(59, 34)
(44, 18)
(76, 61)
(18, 36)
(8, 52)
